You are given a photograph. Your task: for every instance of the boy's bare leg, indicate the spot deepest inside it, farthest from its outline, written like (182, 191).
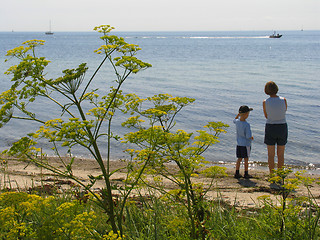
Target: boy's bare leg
(280, 154)
(271, 154)
(246, 164)
(238, 163)
(237, 174)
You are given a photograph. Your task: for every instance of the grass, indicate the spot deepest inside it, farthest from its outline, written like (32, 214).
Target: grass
(46, 212)
(39, 215)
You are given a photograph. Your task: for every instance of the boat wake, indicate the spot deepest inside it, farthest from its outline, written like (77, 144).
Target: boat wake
(226, 37)
(201, 37)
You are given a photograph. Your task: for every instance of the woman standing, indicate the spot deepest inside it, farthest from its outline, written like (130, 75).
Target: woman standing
(276, 129)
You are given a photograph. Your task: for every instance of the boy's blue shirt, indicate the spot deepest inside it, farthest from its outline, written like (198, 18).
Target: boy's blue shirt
(243, 133)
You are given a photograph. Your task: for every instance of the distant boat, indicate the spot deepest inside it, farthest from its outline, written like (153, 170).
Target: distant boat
(49, 32)
(274, 35)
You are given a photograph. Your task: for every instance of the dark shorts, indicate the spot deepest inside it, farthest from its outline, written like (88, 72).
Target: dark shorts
(276, 134)
(243, 152)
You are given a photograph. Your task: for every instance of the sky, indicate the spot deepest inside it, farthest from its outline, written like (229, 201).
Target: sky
(160, 15)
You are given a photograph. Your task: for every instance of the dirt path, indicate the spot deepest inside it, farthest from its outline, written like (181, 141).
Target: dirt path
(242, 192)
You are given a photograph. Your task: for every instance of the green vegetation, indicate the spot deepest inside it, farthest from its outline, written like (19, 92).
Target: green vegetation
(65, 216)
(141, 208)
(74, 126)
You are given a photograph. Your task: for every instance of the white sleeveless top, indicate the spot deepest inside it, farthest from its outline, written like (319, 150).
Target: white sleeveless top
(276, 110)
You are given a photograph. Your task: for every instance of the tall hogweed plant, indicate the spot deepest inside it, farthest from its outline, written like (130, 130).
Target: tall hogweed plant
(155, 134)
(70, 94)
(161, 144)
(291, 217)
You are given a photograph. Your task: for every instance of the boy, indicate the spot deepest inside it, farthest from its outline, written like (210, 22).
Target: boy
(244, 138)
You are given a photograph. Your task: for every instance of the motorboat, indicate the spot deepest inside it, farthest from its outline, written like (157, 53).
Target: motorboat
(274, 35)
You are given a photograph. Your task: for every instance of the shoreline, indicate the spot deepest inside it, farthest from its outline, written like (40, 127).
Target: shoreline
(310, 169)
(238, 192)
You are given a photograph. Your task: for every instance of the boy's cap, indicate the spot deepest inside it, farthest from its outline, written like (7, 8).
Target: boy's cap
(244, 109)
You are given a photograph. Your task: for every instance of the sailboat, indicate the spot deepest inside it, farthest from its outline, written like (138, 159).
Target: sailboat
(49, 32)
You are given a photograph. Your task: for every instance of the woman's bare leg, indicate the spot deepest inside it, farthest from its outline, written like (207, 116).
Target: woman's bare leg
(271, 154)
(280, 154)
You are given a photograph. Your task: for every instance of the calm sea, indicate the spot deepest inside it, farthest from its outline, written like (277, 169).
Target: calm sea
(221, 70)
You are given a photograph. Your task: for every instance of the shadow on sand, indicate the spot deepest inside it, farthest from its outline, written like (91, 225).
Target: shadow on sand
(247, 183)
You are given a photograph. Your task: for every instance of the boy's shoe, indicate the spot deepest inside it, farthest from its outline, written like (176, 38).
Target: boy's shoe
(247, 176)
(237, 175)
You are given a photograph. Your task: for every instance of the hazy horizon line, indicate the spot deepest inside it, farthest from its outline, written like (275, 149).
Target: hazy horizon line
(89, 31)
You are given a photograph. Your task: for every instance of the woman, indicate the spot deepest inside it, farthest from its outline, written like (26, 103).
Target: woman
(276, 130)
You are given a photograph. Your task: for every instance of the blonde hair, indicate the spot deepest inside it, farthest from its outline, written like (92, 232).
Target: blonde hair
(271, 88)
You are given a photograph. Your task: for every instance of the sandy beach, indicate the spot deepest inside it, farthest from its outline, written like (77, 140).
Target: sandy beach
(239, 192)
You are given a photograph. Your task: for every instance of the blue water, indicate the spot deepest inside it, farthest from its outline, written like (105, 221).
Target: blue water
(221, 70)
